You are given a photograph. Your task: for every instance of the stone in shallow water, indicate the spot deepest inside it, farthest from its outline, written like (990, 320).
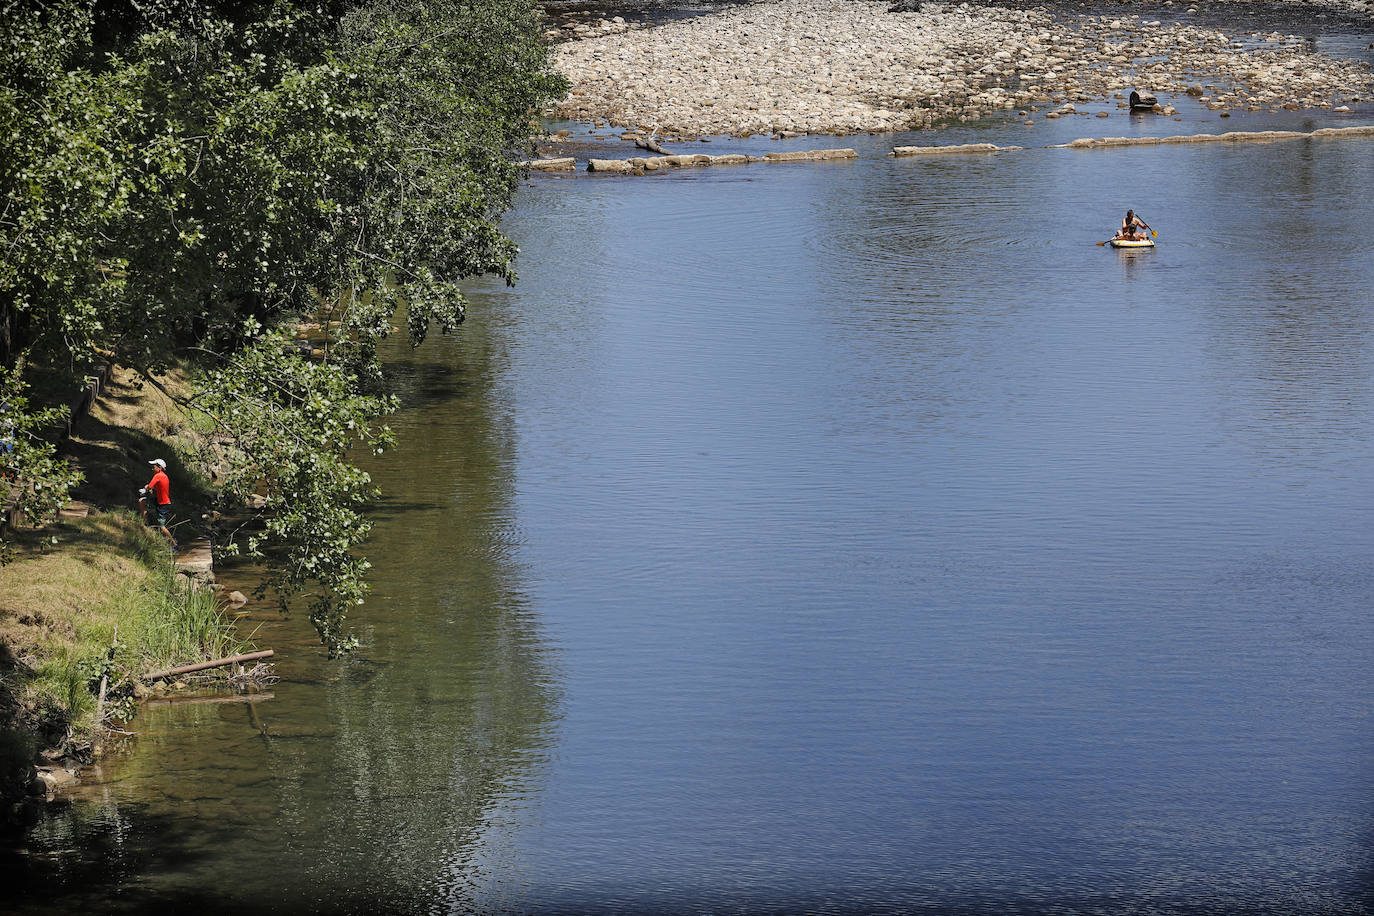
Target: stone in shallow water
(811, 155)
(609, 165)
(562, 164)
(902, 151)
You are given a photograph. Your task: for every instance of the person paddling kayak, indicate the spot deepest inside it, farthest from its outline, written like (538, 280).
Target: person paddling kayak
(1129, 226)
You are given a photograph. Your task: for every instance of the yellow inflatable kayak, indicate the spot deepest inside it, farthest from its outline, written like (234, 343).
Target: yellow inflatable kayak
(1133, 243)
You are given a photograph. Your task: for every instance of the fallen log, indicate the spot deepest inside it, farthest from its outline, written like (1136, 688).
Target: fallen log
(201, 666)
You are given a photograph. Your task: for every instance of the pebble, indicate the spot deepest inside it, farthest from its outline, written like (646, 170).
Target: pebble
(845, 66)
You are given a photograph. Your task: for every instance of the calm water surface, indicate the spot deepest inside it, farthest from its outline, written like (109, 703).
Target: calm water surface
(835, 537)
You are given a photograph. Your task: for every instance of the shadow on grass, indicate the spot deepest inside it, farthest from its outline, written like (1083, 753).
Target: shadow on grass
(115, 460)
(97, 535)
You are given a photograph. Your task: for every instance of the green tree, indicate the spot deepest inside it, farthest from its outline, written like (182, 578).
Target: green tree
(182, 179)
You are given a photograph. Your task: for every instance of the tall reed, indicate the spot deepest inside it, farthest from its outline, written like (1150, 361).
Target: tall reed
(180, 623)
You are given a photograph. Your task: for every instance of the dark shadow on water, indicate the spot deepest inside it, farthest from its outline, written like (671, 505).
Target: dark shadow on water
(403, 901)
(387, 508)
(114, 844)
(420, 385)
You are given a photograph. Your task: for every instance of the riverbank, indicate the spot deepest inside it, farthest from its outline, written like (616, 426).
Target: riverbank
(844, 66)
(94, 600)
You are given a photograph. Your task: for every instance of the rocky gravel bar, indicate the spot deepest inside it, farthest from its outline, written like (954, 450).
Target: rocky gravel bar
(845, 66)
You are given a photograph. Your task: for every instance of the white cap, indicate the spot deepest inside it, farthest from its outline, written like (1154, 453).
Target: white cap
(159, 462)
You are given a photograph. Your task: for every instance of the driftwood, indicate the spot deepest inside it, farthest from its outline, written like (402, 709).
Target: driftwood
(651, 145)
(201, 666)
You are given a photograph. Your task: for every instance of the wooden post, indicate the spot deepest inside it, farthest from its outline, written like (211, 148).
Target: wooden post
(105, 680)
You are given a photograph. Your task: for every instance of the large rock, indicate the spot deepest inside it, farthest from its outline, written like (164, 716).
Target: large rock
(684, 161)
(57, 776)
(621, 166)
(1235, 136)
(562, 164)
(811, 155)
(196, 561)
(951, 150)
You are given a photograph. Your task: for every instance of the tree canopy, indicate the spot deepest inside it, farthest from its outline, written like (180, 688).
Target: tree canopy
(181, 180)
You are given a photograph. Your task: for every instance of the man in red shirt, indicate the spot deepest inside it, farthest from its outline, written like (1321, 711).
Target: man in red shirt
(156, 500)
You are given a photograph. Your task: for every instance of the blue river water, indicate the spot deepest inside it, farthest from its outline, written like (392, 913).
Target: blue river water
(836, 537)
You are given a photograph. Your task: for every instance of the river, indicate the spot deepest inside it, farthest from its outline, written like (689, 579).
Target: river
(832, 537)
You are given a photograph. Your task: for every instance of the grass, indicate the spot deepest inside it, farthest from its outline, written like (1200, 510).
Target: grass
(182, 624)
(60, 604)
(61, 688)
